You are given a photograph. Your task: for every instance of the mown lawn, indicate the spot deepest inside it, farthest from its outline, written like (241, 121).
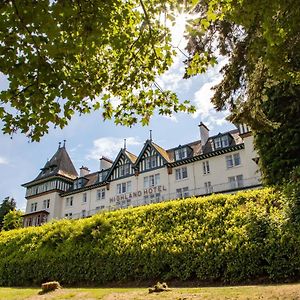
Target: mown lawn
(280, 292)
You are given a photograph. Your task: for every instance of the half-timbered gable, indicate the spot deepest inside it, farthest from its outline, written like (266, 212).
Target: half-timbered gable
(151, 157)
(123, 165)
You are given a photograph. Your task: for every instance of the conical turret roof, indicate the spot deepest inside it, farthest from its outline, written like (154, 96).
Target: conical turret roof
(59, 164)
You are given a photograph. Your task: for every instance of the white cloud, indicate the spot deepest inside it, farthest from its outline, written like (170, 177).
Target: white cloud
(76, 148)
(202, 99)
(3, 161)
(110, 146)
(172, 118)
(173, 78)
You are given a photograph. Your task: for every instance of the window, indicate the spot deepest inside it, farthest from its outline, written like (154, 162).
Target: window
(221, 141)
(124, 170)
(233, 160)
(100, 208)
(206, 169)
(150, 162)
(69, 201)
(124, 187)
(236, 181)
(217, 142)
(46, 204)
(146, 199)
(152, 180)
(83, 213)
(181, 173)
(101, 194)
(84, 198)
(225, 141)
(208, 187)
(68, 215)
(181, 153)
(157, 197)
(33, 206)
(182, 192)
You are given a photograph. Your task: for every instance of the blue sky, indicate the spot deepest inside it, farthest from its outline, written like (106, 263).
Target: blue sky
(89, 137)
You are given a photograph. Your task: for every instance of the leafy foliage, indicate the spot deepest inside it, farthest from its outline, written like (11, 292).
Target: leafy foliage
(12, 220)
(227, 238)
(6, 206)
(279, 146)
(260, 40)
(62, 57)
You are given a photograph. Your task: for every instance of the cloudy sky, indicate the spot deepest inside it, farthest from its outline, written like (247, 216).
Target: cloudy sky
(88, 137)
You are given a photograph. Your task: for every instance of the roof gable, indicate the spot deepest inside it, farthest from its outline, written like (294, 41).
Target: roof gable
(123, 165)
(153, 152)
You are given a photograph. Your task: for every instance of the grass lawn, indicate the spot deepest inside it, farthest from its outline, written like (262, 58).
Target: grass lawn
(280, 292)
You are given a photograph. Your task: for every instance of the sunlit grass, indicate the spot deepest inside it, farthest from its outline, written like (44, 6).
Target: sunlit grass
(280, 292)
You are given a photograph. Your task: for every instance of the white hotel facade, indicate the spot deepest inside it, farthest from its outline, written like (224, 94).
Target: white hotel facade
(226, 162)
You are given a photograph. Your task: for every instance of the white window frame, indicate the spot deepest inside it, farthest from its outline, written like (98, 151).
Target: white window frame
(206, 168)
(124, 170)
(68, 215)
(181, 173)
(182, 192)
(218, 143)
(46, 203)
(124, 187)
(84, 198)
(208, 187)
(33, 207)
(69, 201)
(225, 141)
(233, 160)
(181, 153)
(101, 194)
(150, 162)
(236, 181)
(152, 180)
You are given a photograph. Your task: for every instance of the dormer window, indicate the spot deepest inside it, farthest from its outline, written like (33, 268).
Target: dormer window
(225, 141)
(79, 183)
(221, 141)
(218, 143)
(181, 153)
(102, 175)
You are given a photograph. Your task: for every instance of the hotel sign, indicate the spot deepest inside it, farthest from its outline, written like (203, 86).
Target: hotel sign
(145, 192)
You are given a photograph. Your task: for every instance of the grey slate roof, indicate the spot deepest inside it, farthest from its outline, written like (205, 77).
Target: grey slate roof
(59, 164)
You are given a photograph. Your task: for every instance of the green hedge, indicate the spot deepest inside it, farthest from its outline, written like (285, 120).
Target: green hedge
(224, 238)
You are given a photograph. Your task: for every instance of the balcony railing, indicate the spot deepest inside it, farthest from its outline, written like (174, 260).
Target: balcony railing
(227, 187)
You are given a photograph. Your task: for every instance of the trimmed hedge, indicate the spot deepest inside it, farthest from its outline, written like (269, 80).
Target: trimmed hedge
(224, 238)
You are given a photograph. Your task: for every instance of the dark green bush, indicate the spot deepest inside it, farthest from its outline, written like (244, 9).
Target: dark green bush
(225, 238)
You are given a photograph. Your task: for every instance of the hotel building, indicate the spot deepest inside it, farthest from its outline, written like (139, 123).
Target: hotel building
(226, 162)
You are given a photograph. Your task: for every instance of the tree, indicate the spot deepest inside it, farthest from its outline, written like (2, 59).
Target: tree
(261, 80)
(12, 220)
(262, 43)
(6, 206)
(62, 57)
(279, 147)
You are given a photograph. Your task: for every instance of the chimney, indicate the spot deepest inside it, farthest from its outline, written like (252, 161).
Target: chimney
(105, 163)
(83, 171)
(204, 134)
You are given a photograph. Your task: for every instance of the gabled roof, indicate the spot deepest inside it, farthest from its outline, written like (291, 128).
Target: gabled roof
(59, 164)
(162, 152)
(132, 158)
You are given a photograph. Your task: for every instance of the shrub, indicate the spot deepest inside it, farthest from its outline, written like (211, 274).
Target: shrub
(225, 238)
